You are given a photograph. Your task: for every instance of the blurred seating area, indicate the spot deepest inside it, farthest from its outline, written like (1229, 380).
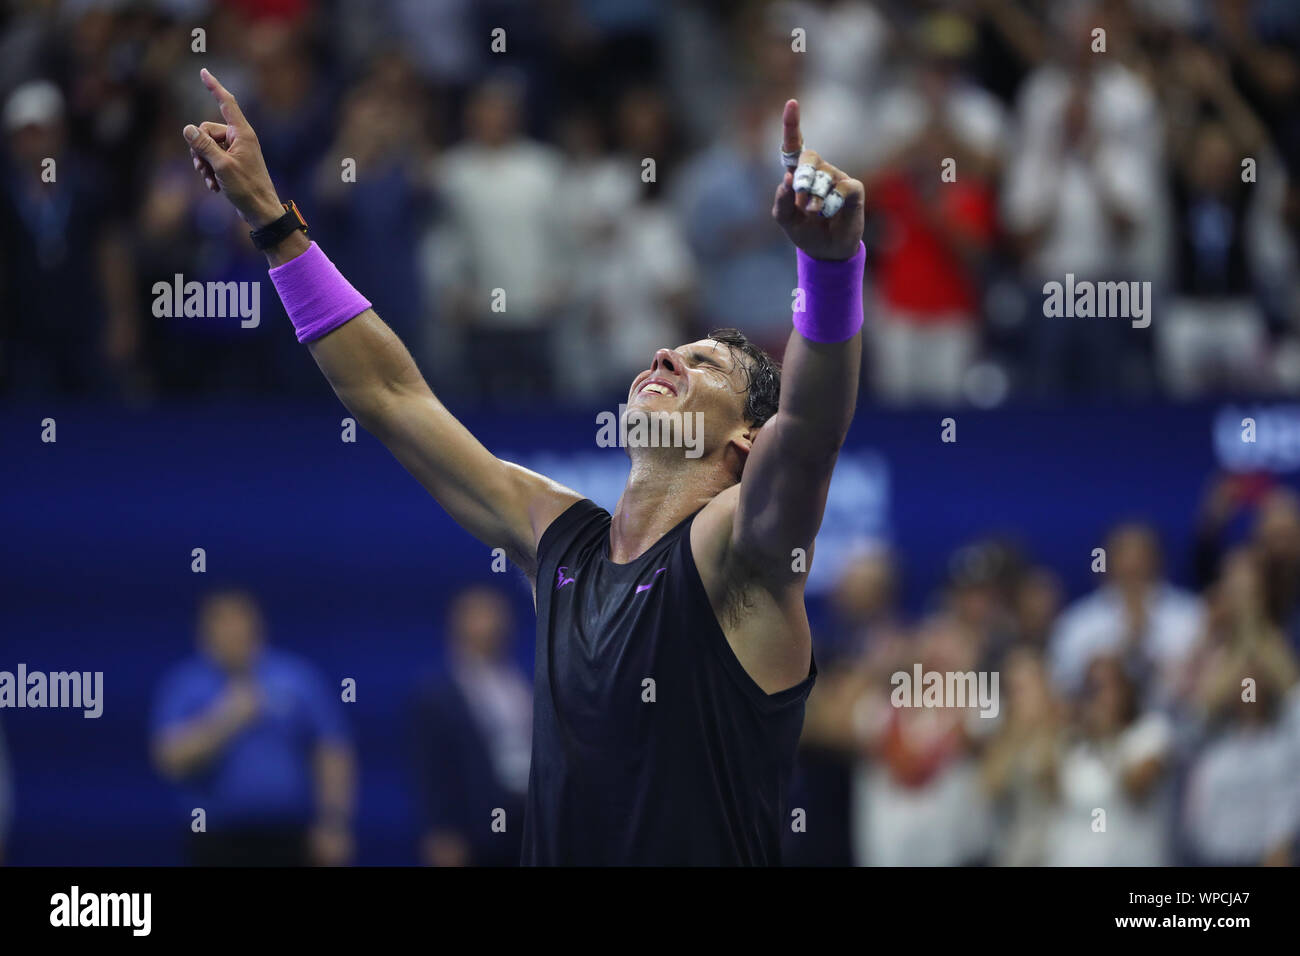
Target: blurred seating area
(524, 170)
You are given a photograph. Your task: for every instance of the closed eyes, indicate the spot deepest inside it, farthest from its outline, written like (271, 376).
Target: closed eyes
(699, 358)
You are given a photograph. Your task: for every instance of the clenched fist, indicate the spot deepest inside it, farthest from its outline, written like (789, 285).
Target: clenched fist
(799, 209)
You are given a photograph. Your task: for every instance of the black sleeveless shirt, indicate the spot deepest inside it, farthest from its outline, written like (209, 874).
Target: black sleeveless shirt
(651, 744)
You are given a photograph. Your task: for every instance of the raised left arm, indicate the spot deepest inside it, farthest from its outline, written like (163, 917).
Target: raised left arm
(786, 479)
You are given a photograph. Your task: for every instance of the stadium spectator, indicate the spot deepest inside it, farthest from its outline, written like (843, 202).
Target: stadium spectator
(1241, 805)
(1134, 613)
(856, 650)
(1240, 637)
(982, 578)
(635, 290)
(70, 319)
(436, 35)
(1274, 511)
(373, 200)
(1114, 807)
(865, 617)
(1277, 535)
(939, 138)
(1214, 333)
(1262, 41)
(1035, 607)
(289, 103)
(839, 82)
(254, 738)
(1020, 768)
(1083, 196)
(724, 197)
(917, 799)
(181, 229)
(501, 260)
(473, 738)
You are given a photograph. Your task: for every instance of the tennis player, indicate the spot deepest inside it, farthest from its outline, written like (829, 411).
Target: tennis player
(673, 649)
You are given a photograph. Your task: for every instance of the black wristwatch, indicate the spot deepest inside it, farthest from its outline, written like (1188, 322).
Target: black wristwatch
(281, 229)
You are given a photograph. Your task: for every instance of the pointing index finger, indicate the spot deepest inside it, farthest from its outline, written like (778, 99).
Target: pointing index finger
(791, 138)
(230, 110)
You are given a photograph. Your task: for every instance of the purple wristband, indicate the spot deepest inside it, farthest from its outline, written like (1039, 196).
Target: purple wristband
(832, 292)
(315, 294)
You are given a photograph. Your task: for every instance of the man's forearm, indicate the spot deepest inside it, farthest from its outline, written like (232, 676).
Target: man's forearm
(819, 389)
(787, 476)
(361, 358)
(366, 365)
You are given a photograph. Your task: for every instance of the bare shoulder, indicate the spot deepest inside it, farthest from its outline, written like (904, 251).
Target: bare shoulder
(545, 500)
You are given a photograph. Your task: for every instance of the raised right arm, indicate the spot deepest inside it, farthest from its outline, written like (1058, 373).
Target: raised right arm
(500, 503)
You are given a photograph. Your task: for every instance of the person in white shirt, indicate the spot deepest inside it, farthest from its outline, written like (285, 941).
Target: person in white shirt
(1241, 805)
(501, 257)
(1133, 613)
(1085, 195)
(1114, 807)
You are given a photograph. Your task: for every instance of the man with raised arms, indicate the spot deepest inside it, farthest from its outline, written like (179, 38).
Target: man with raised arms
(673, 648)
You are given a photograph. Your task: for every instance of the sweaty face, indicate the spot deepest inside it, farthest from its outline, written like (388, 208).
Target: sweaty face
(704, 377)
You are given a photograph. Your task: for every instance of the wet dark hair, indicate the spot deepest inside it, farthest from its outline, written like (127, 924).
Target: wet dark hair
(762, 375)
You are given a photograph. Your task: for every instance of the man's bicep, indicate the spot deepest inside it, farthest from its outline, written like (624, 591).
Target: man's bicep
(782, 499)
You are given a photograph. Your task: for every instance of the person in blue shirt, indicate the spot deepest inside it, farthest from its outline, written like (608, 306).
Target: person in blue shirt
(255, 738)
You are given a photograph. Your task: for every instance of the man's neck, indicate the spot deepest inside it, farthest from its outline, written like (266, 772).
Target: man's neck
(656, 499)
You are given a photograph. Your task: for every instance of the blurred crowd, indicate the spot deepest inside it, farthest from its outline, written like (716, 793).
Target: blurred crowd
(1139, 725)
(1142, 724)
(599, 183)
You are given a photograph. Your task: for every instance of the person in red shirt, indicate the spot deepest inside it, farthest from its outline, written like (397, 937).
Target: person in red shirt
(935, 213)
(934, 235)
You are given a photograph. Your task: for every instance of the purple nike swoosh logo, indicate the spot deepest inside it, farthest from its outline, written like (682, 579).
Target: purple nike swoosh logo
(647, 587)
(562, 579)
